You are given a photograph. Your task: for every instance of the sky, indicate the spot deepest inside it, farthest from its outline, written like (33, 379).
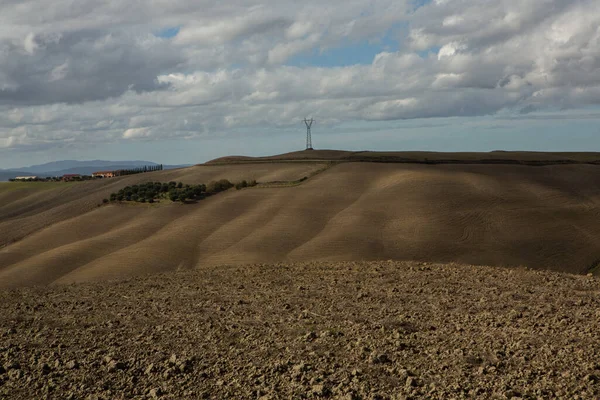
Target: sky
(182, 81)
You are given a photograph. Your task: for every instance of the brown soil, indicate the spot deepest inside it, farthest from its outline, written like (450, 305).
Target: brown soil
(501, 215)
(378, 330)
(24, 211)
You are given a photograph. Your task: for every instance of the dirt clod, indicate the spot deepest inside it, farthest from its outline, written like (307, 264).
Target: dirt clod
(498, 333)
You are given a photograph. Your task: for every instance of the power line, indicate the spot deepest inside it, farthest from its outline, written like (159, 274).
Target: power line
(308, 123)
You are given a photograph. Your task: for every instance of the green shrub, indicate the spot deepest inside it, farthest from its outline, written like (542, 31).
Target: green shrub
(218, 186)
(149, 192)
(225, 184)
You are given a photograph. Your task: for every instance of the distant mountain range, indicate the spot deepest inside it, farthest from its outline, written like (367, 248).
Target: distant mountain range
(59, 168)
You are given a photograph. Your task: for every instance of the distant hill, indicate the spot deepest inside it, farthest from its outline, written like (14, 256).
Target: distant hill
(59, 168)
(73, 164)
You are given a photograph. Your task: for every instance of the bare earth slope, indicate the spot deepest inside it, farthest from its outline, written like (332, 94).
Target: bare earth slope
(542, 217)
(27, 207)
(379, 330)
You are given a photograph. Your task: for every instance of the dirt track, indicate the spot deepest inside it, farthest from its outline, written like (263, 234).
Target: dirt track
(346, 330)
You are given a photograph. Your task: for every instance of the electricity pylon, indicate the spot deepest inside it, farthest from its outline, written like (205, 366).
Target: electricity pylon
(308, 123)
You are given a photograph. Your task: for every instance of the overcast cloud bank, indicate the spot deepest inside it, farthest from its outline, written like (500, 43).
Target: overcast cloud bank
(85, 72)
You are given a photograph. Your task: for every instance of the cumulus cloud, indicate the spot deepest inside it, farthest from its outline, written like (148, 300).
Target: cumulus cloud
(90, 72)
(82, 66)
(132, 133)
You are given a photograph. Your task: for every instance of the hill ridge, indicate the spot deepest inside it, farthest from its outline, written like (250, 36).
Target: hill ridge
(421, 157)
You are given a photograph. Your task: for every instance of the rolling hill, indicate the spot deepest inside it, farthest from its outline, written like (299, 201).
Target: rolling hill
(501, 215)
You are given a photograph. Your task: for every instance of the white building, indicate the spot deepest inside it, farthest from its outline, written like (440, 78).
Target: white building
(25, 178)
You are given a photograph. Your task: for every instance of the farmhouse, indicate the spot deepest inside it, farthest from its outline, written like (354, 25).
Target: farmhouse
(104, 174)
(25, 178)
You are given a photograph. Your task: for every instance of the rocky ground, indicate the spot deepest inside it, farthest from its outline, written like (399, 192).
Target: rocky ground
(345, 330)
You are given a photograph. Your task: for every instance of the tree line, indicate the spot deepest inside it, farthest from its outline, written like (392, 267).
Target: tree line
(152, 192)
(139, 170)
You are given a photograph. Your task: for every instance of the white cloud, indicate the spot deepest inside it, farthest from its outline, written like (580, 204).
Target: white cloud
(450, 49)
(446, 81)
(299, 29)
(133, 133)
(453, 20)
(283, 51)
(94, 72)
(29, 43)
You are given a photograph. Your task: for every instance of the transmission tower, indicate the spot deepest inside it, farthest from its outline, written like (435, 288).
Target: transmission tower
(308, 123)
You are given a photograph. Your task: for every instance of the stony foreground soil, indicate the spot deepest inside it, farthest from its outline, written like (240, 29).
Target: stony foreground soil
(347, 330)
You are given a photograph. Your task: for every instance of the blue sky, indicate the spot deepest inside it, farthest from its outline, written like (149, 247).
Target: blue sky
(168, 33)
(351, 52)
(191, 82)
(444, 134)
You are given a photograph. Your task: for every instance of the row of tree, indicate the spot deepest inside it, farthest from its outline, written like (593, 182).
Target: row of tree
(139, 170)
(151, 192)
